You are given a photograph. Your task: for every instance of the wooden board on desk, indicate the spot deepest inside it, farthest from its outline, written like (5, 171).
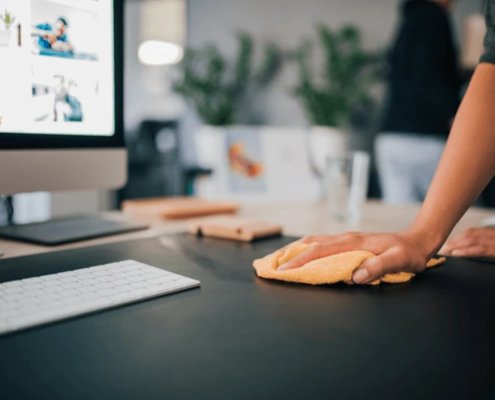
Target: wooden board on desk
(178, 207)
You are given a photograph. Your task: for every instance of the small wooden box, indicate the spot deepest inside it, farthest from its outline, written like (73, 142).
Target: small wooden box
(234, 228)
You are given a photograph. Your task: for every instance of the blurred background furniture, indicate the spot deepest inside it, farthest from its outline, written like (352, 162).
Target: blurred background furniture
(155, 166)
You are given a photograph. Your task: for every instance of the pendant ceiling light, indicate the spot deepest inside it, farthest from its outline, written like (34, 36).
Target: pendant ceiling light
(163, 24)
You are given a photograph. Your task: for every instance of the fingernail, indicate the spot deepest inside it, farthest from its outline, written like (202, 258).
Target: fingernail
(457, 253)
(282, 267)
(361, 276)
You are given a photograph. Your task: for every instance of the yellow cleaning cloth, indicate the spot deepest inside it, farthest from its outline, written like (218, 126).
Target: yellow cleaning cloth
(332, 269)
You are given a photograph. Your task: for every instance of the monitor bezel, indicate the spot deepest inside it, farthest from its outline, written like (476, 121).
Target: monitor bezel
(26, 141)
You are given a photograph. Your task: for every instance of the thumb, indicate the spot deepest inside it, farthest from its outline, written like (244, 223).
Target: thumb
(374, 268)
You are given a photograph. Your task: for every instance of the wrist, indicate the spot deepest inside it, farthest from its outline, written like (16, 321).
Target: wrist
(428, 239)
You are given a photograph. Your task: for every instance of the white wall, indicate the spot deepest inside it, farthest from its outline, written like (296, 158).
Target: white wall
(288, 22)
(148, 92)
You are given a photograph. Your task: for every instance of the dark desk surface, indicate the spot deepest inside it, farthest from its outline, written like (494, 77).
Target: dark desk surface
(240, 337)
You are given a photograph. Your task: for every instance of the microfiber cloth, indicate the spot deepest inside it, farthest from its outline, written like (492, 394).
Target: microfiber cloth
(326, 270)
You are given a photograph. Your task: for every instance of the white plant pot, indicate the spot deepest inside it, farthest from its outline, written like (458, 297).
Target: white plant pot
(323, 142)
(5, 38)
(286, 173)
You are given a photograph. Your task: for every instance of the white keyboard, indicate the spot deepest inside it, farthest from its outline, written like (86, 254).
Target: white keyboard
(36, 301)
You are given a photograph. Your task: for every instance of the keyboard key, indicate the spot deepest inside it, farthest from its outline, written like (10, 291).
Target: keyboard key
(50, 296)
(72, 285)
(68, 279)
(12, 290)
(163, 279)
(139, 285)
(108, 292)
(49, 283)
(11, 284)
(85, 289)
(4, 306)
(67, 293)
(90, 296)
(11, 313)
(31, 280)
(29, 309)
(34, 293)
(27, 301)
(33, 286)
(51, 304)
(119, 282)
(104, 285)
(15, 296)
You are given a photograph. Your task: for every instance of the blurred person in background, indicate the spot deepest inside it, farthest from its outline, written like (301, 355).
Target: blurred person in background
(423, 97)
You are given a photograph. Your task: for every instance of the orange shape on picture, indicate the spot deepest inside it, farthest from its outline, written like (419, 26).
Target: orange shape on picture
(242, 164)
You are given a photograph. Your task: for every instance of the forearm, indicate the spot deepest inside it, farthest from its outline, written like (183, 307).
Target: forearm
(467, 165)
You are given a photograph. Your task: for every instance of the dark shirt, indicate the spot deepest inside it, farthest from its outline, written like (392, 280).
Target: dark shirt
(424, 80)
(489, 54)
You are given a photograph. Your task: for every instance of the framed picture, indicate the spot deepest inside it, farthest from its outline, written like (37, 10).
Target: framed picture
(256, 164)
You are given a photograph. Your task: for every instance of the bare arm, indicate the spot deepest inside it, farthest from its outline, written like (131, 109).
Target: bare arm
(468, 162)
(467, 165)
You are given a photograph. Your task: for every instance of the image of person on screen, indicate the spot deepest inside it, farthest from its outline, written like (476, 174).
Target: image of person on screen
(67, 107)
(54, 36)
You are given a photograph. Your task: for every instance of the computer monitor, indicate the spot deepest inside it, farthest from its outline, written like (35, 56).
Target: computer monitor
(61, 108)
(61, 95)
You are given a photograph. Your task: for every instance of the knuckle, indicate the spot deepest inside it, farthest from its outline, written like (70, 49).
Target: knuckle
(350, 233)
(469, 241)
(353, 238)
(318, 250)
(308, 239)
(376, 267)
(470, 233)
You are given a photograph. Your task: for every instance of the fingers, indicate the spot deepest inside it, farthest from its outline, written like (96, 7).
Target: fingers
(309, 240)
(314, 253)
(374, 268)
(470, 238)
(458, 243)
(317, 239)
(473, 251)
(475, 242)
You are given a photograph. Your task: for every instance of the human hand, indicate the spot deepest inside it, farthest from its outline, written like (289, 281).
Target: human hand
(395, 252)
(50, 37)
(475, 242)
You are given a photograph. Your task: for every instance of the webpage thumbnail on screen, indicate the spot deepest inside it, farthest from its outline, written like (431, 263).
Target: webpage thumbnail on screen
(57, 67)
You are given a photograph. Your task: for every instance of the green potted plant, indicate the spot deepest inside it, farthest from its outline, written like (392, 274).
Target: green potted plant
(8, 20)
(342, 86)
(217, 89)
(223, 92)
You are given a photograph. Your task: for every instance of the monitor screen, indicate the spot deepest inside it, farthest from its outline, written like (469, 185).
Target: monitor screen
(57, 73)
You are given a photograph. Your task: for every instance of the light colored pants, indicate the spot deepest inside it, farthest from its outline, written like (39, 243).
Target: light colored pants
(406, 165)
